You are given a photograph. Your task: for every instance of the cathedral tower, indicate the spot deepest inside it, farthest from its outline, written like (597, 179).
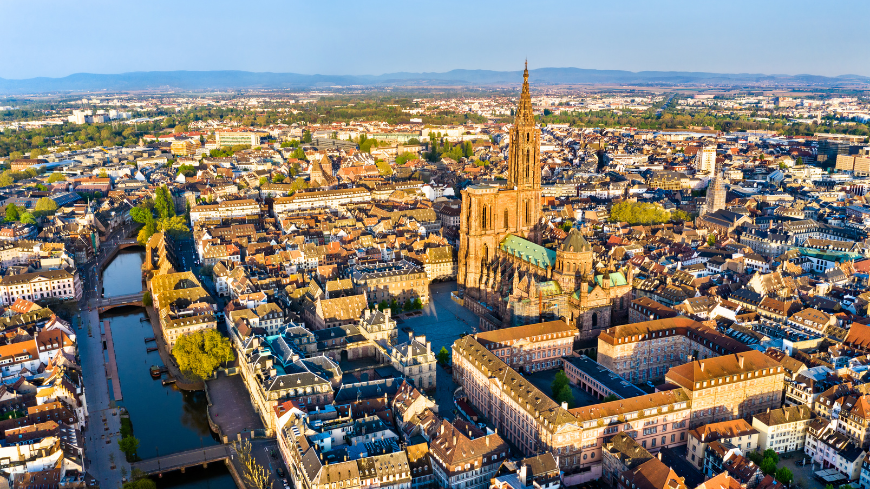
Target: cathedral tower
(489, 213)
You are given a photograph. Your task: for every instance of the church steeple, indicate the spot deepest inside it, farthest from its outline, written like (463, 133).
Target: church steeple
(523, 168)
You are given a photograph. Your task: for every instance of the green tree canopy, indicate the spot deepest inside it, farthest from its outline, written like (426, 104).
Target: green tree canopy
(559, 381)
(12, 213)
(163, 202)
(187, 170)
(565, 395)
(278, 178)
(784, 475)
(201, 352)
(175, 226)
(635, 213)
(45, 206)
(129, 445)
(768, 466)
(56, 177)
(443, 356)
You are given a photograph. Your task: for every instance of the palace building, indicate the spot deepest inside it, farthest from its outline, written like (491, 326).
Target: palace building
(508, 277)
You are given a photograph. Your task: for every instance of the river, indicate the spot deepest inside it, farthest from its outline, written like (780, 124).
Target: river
(165, 419)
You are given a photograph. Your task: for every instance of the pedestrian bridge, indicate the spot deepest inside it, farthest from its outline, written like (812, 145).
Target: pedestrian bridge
(182, 460)
(107, 303)
(109, 250)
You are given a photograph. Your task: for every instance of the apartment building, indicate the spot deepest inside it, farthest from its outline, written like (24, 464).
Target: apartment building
(533, 347)
(737, 433)
(462, 462)
(227, 138)
(330, 199)
(645, 351)
(833, 450)
(183, 305)
(401, 281)
(782, 430)
(48, 284)
(645, 309)
(730, 386)
(225, 210)
(439, 263)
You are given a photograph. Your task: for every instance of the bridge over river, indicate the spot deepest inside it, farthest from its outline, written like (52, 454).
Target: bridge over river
(182, 460)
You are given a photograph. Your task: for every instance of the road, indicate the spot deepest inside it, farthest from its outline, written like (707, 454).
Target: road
(103, 423)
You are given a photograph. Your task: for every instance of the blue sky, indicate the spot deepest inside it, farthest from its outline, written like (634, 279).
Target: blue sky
(60, 37)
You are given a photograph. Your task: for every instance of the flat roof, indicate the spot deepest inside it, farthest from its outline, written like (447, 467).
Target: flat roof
(606, 377)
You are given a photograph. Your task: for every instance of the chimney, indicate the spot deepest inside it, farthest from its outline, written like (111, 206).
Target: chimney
(565, 406)
(454, 440)
(410, 336)
(786, 414)
(740, 360)
(487, 441)
(702, 366)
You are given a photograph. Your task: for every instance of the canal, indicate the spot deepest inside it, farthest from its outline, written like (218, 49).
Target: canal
(165, 419)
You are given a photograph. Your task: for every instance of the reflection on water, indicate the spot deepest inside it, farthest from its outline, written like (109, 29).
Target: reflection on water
(124, 274)
(165, 419)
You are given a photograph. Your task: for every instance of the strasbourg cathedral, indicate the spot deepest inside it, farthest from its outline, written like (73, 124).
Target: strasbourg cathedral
(508, 275)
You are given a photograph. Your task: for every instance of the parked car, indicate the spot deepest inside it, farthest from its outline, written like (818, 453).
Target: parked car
(280, 472)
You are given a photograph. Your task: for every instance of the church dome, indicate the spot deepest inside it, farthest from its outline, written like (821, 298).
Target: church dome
(575, 242)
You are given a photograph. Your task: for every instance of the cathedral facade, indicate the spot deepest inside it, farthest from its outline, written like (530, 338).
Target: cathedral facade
(507, 276)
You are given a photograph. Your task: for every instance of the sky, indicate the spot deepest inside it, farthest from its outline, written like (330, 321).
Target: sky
(55, 38)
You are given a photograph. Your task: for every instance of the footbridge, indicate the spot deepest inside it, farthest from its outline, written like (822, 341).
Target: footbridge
(107, 303)
(182, 460)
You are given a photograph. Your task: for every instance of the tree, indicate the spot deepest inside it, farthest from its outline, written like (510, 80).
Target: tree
(711, 240)
(103, 173)
(146, 232)
(27, 218)
(12, 214)
(6, 180)
(278, 178)
(610, 398)
(45, 206)
(639, 213)
(56, 177)
(163, 202)
(384, 168)
(254, 474)
(306, 136)
(201, 352)
(443, 356)
(559, 381)
(175, 226)
(565, 395)
(784, 475)
(129, 445)
(186, 170)
(679, 215)
(771, 454)
(146, 299)
(404, 158)
(768, 466)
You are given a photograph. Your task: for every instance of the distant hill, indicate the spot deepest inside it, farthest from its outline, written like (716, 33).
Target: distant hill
(204, 80)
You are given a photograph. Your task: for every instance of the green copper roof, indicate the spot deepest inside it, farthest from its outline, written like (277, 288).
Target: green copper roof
(616, 279)
(829, 255)
(528, 251)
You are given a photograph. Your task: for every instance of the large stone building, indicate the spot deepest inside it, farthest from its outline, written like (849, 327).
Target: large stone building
(730, 386)
(645, 351)
(506, 275)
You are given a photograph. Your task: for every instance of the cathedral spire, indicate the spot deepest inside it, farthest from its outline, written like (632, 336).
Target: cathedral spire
(524, 108)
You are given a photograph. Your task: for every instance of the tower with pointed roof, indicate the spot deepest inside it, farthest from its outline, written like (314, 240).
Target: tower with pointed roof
(573, 260)
(491, 213)
(715, 193)
(321, 173)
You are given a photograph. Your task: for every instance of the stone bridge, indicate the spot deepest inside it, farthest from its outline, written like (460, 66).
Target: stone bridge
(182, 460)
(110, 250)
(107, 303)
